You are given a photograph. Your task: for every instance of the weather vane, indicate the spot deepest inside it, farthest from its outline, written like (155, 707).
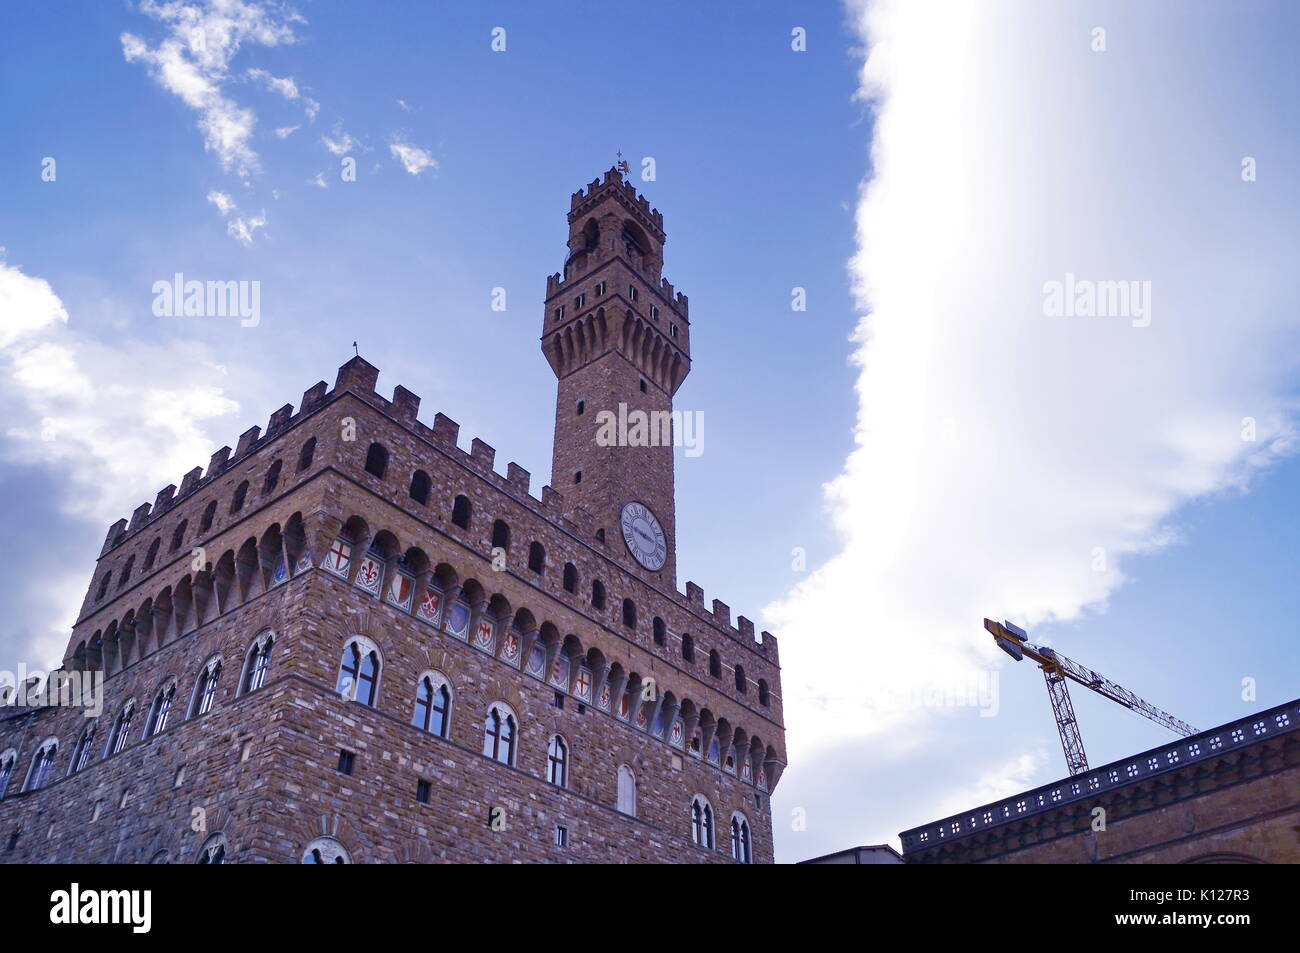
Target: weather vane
(621, 165)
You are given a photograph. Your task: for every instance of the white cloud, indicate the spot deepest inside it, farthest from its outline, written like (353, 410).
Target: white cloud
(341, 143)
(403, 104)
(103, 437)
(998, 450)
(241, 229)
(193, 61)
(73, 409)
(284, 85)
(224, 203)
(284, 132)
(318, 180)
(414, 159)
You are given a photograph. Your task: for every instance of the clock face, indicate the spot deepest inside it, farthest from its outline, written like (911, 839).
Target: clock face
(644, 536)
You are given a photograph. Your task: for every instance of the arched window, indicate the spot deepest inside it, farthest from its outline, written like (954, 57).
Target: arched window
(598, 594)
(660, 631)
(178, 536)
(151, 557)
(39, 772)
(213, 850)
(325, 850)
(272, 477)
(376, 460)
(7, 762)
(420, 487)
(570, 578)
(740, 849)
(629, 613)
(500, 535)
(159, 710)
(715, 663)
(701, 822)
(688, 648)
(536, 557)
(557, 761)
(432, 705)
(205, 689)
(126, 572)
(121, 728)
(359, 672)
(257, 663)
(209, 514)
(742, 685)
(308, 451)
(499, 734)
(626, 791)
(81, 753)
(241, 495)
(461, 511)
(103, 585)
(763, 697)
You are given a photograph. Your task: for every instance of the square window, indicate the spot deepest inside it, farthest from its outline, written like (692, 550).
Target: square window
(643, 386)
(422, 789)
(559, 700)
(346, 761)
(561, 836)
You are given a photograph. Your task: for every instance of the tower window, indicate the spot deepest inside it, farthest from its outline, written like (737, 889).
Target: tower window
(631, 292)
(536, 557)
(579, 301)
(715, 663)
(672, 330)
(347, 760)
(629, 613)
(178, 537)
(308, 451)
(763, 697)
(570, 578)
(598, 594)
(561, 836)
(577, 476)
(376, 460)
(422, 790)
(582, 407)
(688, 648)
(600, 535)
(600, 289)
(557, 761)
(654, 312)
(272, 477)
(209, 514)
(461, 512)
(742, 686)
(237, 503)
(420, 483)
(500, 535)
(660, 631)
(499, 734)
(559, 313)
(643, 385)
(152, 555)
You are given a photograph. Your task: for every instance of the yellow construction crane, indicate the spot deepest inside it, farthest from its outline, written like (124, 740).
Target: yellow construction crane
(1056, 669)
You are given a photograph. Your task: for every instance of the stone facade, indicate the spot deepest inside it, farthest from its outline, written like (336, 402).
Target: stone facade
(1228, 795)
(676, 694)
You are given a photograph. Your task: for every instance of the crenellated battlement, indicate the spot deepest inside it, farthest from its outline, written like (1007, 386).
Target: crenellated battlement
(358, 377)
(613, 181)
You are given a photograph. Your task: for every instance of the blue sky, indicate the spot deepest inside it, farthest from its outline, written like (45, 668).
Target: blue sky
(1114, 164)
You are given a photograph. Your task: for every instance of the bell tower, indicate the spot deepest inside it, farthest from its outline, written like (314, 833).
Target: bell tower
(618, 338)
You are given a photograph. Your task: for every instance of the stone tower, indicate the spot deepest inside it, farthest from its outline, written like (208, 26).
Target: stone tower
(618, 338)
(353, 639)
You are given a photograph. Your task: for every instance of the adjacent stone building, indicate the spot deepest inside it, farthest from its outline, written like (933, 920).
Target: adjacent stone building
(349, 640)
(1227, 795)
